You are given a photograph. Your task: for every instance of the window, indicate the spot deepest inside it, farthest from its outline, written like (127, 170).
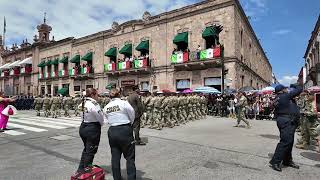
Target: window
(241, 37)
(144, 86)
(76, 88)
(182, 84)
(43, 90)
(242, 80)
(89, 86)
(214, 82)
(251, 82)
(48, 89)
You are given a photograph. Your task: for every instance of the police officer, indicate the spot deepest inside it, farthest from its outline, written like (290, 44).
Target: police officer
(135, 101)
(90, 128)
(286, 113)
(120, 116)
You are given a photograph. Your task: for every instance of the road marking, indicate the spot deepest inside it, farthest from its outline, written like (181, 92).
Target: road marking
(57, 119)
(54, 121)
(26, 127)
(14, 133)
(32, 122)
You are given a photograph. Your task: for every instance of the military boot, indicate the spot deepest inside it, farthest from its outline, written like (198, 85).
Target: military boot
(302, 146)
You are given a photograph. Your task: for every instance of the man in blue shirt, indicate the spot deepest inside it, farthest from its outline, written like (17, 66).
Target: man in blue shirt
(287, 115)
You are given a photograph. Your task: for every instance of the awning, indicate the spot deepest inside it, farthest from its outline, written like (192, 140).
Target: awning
(42, 64)
(75, 59)
(112, 52)
(55, 61)
(14, 64)
(63, 91)
(48, 63)
(126, 50)
(181, 38)
(87, 57)
(143, 46)
(5, 66)
(26, 61)
(209, 32)
(64, 59)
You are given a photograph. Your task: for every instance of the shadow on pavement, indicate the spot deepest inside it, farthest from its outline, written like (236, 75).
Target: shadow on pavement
(140, 173)
(270, 136)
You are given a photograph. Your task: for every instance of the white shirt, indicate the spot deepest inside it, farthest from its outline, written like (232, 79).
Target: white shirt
(118, 112)
(92, 111)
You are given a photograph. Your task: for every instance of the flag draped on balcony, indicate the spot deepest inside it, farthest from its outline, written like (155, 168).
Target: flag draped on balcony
(123, 65)
(180, 57)
(109, 67)
(141, 63)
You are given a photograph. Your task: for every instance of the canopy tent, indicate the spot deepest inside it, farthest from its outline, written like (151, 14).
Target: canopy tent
(75, 59)
(87, 57)
(187, 91)
(14, 64)
(63, 91)
(246, 89)
(112, 52)
(212, 31)
(26, 61)
(181, 38)
(5, 66)
(207, 90)
(230, 91)
(126, 50)
(143, 46)
(64, 59)
(48, 63)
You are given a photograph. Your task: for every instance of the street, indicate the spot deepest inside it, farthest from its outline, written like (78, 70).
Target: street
(46, 148)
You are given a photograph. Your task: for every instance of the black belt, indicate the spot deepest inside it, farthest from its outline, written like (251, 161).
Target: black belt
(122, 125)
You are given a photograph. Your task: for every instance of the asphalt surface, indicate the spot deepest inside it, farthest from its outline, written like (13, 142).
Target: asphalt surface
(204, 149)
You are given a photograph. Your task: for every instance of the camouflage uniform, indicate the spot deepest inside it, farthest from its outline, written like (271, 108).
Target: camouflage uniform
(204, 106)
(149, 111)
(308, 123)
(38, 104)
(54, 107)
(157, 118)
(191, 115)
(77, 102)
(166, 106)
(241, 111)
(174, 107)
(143, 119)
(66, 106)
(180, 112)
(46, 106)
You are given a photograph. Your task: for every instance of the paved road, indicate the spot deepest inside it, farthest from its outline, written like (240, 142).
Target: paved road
(45, 148)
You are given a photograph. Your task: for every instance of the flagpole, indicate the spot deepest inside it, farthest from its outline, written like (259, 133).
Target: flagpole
(4, 32)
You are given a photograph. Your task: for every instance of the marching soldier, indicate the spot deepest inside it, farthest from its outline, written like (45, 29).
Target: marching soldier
(77, 101)
(166, 108)
(149, 110)
(174, 106)
(54, 106)
(46, 106)
(241, 110)
(66, 106)
(38, 104)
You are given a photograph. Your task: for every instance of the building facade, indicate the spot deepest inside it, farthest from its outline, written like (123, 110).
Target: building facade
(176, 50)
(312, 58)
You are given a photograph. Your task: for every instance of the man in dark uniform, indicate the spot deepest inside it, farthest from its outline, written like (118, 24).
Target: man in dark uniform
(135, 101)
(287, 114)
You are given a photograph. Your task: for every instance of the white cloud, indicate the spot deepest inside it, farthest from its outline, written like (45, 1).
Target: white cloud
(255, 8)
(287, 80)
(75, 19)
(281, 32)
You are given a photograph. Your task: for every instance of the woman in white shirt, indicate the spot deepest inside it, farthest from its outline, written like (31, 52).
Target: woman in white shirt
(120, 116)
(90, 129)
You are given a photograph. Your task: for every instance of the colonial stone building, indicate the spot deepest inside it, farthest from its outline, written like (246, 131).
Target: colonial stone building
(312, 58)
(175, 50)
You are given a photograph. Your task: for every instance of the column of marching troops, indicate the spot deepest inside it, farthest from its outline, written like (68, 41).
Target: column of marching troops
(160, 110)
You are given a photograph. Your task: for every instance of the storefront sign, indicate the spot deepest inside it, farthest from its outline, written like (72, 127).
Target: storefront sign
(128, 83)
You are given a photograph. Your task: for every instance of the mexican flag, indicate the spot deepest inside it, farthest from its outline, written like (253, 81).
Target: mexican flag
(123, 65)
(11, 72)
(206, 54)
(141, 63)
(180, 57)
(62, 73)
(40, 76)
(72, 72)
(109, 67)
(22, 70)
(53, 74)
(46, 75)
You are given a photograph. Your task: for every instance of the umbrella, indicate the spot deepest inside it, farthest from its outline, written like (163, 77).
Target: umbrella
(314, 89)
(230, 91)
(269, 88)
(207, 90)
(166, 91)
(246, 89)
(187, 91)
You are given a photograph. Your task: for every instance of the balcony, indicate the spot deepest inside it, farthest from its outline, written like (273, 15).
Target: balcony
(63, 73)
(4, 74)
(80, 73)
(138, 66)
(14, 72)
(54, 74)
(197, 60)
(25, 70)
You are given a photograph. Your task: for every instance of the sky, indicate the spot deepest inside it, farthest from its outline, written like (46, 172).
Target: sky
(283, 26)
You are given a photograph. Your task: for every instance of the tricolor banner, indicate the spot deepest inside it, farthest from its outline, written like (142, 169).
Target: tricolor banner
(62, 73)
(110, 67)
(217, 52)
(210, 53)
(85, 70)
(23, 70)
(53, 74)
(40, 76)
(123, 65)
(180, 57)
(2, 74)
(141, 63)
(72, 72)
(11, 72)
(46, 75)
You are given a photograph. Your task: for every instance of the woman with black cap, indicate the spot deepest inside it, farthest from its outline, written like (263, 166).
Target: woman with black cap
(90, 129)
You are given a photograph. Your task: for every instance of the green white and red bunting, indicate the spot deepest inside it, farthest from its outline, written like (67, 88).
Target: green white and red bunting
(180, 57)
(53, 74)
(11, 72)
(210, 53)
(40, 76)
(23, 70)
(141, 63)
(123, 65)
(72, 72)
(62, 73)
(110, 67)
(46, 75)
